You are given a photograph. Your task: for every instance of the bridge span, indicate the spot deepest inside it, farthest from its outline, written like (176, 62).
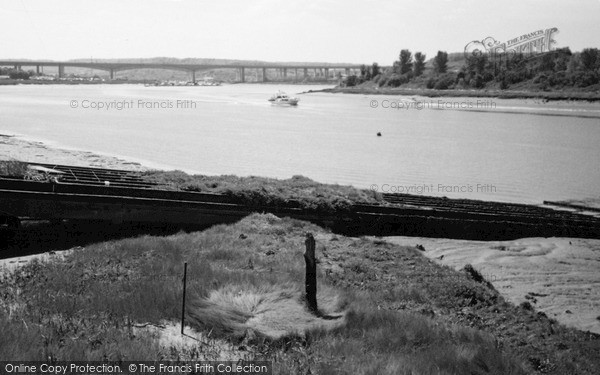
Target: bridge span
(316, 71)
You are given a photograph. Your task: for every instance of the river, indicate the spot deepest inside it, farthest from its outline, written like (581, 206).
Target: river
(502, 150)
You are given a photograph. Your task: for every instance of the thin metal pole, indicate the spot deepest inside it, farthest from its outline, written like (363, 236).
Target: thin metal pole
(183, 303)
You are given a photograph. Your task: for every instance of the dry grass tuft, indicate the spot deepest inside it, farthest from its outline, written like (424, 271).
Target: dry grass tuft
(269, 311)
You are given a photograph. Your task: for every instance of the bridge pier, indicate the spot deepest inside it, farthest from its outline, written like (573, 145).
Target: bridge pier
(193, 76)
(242, 75)
(305, 73)
(284, 73)
(326, 74)
(61, 71)
(264, 74)
(37, 70)
(112, 74)
(295, 74)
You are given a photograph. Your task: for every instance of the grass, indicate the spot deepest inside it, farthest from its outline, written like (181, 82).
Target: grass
(256, 192)
(388, 309)
(297, 191)
(13, 168)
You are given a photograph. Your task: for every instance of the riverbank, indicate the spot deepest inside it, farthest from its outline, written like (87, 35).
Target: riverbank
(569, 256)
(500, 94)
(386, 307)
(558, 276)
(16, 148)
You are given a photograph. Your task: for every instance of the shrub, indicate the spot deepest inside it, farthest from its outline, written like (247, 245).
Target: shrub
(351, 81)
(540, 78)
(18, 74)
(445, 82)
(584, 79)
(399, 79)
(430, 83)
(477, 81)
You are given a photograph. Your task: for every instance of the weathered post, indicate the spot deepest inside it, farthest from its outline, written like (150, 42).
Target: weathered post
(311, 273)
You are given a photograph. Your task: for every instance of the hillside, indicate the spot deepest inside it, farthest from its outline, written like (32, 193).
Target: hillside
(556, 71)
(385, 308)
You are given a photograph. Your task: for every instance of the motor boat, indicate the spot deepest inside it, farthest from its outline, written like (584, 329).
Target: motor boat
(281, 98)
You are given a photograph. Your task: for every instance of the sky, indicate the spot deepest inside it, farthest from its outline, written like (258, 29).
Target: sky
(336, 31)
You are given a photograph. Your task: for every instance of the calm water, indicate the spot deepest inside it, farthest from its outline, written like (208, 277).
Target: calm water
(503, 150)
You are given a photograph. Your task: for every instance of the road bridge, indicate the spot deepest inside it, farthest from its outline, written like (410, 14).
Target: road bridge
(315, 71)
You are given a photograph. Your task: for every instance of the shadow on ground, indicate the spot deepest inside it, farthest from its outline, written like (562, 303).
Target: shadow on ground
(36, 237)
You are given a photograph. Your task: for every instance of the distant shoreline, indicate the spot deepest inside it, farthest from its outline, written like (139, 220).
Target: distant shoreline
(16, 82)
(500, 94)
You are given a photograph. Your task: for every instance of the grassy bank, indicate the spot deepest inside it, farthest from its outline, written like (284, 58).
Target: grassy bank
(389, 309)
(13, 168)
(257, 192)
(297, 191)
(501, 94)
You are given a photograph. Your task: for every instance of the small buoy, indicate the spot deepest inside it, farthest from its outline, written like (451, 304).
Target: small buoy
(106, 183)
(379, 134)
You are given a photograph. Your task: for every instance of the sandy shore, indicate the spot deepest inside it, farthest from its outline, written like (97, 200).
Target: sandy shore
(559, 276)
(12, 147)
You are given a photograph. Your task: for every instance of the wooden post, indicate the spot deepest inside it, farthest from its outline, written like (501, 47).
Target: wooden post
(311, 273)
(183, 303)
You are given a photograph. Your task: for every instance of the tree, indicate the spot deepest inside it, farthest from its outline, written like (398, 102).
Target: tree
(18, 74)
(419, 65)
(440, 62)
(590, 57)
(375, 70)
(476, 63)
(405, 61)
(351, 80)
(365, 72)
(561, 61)
(546, 62)
(574, 64)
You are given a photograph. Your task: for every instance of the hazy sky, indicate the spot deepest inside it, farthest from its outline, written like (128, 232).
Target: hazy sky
(317, 30)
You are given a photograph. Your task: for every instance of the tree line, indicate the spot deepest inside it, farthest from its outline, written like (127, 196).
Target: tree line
(544, 71)
(16, 73)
